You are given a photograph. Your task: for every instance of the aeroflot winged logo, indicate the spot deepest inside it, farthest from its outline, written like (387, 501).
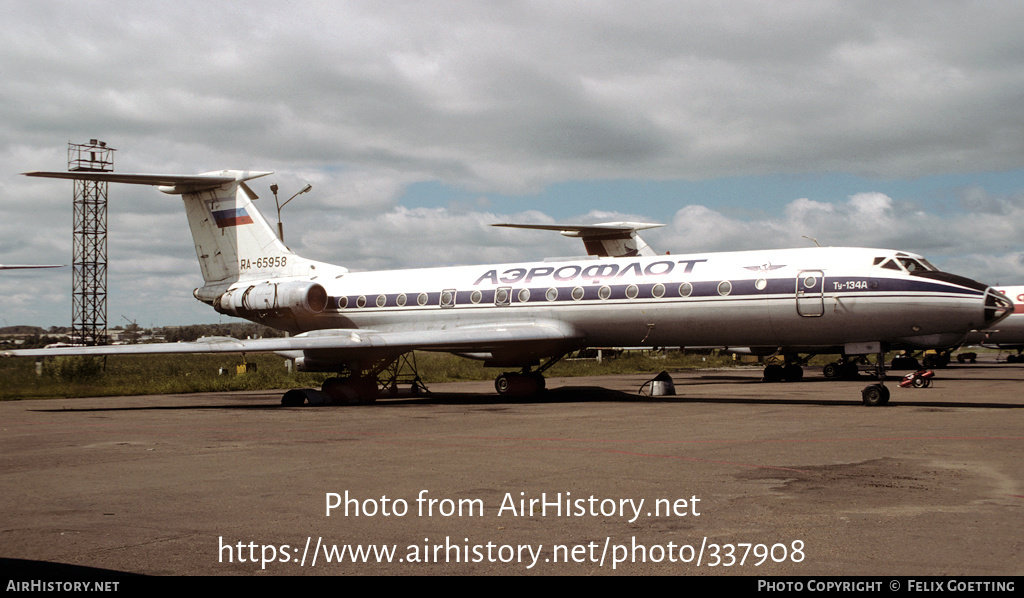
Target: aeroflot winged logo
(232, 217)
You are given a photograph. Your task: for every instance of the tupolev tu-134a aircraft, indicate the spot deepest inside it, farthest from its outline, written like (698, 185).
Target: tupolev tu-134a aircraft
(526, 316)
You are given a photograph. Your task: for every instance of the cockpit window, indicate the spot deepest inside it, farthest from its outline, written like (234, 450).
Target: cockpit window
(914, 266)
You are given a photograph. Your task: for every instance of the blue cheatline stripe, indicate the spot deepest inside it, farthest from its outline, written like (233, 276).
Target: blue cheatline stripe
(701, 290)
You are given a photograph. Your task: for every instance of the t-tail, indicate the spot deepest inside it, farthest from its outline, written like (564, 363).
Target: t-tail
(245, 266)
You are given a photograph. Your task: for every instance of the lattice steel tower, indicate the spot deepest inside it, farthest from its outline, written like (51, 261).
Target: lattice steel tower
(89, 279)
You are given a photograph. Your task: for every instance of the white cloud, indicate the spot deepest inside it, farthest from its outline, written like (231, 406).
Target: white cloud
(363, 99)
(983, 245)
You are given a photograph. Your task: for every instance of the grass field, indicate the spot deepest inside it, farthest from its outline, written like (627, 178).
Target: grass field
(160, 374)
(21, 378)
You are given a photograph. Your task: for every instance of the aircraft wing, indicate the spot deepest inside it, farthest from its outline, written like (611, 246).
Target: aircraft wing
(459, 339)
(607, 239)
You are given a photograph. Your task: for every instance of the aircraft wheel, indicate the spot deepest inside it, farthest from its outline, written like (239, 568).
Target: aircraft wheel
(298, 397)
(793, 373)
(353, 391)
(519, 385)
(338, 391)
(293, 398)
(875, 395)
(366, 390)
(902, 362)
(773, 373)
(538, 380)
(502, 383)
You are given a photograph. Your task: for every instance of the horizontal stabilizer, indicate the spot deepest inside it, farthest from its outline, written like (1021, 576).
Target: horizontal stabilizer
(169, 183)
(607, 239)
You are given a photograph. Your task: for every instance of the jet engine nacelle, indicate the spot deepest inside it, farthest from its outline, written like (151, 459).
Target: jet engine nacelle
(298, 297)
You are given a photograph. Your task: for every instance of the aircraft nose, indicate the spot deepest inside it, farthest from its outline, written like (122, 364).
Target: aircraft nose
(997, 307)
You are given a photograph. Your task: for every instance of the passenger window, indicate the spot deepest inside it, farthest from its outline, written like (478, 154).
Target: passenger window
(448, 298)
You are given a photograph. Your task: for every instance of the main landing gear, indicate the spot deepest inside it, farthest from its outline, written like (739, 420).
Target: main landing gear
(353, 390)
(846, 368)
(526, 382)
(790, 370)
(361, 385)
(519, 384)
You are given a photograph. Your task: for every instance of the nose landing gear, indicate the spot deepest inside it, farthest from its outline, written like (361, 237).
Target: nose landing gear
(876, 394)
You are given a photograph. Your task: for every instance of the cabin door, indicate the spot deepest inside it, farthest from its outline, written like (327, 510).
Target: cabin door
(810, 293)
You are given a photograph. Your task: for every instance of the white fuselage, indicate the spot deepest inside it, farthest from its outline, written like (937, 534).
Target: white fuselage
(810, 297)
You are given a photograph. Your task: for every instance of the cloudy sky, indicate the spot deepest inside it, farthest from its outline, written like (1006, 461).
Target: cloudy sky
(739, 125)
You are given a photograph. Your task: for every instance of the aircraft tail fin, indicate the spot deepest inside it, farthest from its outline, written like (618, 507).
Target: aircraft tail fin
(232, 239)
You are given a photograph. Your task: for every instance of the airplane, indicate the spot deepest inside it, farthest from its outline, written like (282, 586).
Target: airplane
(516, 315)
(25, 267)
(1009, 335)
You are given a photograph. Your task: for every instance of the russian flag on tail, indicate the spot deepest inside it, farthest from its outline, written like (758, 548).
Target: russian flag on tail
(233, 217)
